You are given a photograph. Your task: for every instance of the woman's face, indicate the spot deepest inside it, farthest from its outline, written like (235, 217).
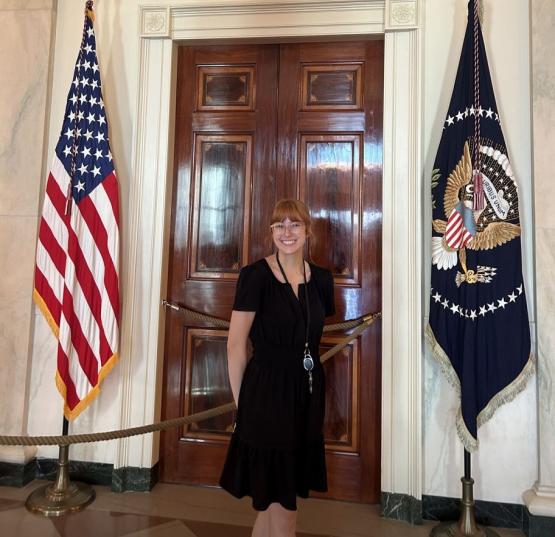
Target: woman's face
(289, 235)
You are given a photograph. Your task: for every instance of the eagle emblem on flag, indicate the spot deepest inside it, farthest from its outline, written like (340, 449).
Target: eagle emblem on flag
(475, 229)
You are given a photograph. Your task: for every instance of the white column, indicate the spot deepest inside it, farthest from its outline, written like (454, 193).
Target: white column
(150, 188)
(401, 321)
(540, 499)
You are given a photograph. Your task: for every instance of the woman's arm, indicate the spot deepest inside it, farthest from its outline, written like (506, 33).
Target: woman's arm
(239, 328)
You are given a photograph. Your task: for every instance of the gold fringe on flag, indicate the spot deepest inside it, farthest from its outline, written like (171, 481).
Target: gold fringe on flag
(506, 395)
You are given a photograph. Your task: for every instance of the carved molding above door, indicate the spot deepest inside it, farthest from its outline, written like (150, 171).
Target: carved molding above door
(401, 14)
(267, 18)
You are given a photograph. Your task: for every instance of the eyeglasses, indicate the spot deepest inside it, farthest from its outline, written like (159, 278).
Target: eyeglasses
(294, 227)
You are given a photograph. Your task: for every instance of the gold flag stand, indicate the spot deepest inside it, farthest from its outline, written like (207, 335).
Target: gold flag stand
(61, 497)
(466, 525)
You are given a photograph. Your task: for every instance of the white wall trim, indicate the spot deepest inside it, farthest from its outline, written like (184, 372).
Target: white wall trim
(142, 332)
(540, 500)
(143, 316)
(401, 268)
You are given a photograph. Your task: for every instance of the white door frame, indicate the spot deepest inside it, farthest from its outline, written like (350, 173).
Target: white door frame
(160, 28)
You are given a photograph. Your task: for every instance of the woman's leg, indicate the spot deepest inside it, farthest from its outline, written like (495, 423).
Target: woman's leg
(282, 521)
(262, 524)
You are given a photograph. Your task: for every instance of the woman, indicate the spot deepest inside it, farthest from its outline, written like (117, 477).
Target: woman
(276, 452)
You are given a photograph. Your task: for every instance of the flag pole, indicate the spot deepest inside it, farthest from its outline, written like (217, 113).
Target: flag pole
(467, 465)
(63, 496)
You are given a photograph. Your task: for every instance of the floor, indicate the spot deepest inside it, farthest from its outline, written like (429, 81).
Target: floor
(177, 510)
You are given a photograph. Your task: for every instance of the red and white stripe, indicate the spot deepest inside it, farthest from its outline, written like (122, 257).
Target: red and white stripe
(76, 283)
(456, 234)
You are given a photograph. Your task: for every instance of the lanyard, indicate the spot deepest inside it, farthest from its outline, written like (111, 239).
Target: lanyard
(308, 362)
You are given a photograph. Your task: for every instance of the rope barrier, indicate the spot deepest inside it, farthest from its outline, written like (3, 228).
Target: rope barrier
(361, 323)
(222, 323)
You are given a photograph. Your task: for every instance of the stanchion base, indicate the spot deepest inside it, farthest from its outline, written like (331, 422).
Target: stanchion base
(47, 501)
(451, 529)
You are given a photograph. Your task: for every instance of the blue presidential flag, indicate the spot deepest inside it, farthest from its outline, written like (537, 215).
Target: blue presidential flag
(478, 326)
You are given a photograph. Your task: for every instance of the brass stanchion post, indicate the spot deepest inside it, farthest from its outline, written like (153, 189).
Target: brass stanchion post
(63, 496)
(466, 526)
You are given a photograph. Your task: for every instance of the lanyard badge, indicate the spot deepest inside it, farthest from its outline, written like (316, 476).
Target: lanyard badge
(308, 361)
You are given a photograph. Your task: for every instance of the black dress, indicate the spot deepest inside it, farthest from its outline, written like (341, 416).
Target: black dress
(276, 452)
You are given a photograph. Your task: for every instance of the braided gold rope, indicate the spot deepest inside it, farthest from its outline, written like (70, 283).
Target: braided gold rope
(363, 323)
(222, 323)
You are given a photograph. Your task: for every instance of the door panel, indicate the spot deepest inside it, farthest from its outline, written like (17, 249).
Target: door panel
(225, 138)
(226, 87)
(206, 374)
(262, 122)
(330, 140)
(341, 426)
(221, 208)
(330, 184)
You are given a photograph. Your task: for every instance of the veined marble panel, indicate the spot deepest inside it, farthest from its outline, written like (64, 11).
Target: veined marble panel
(543, 30)
(24, 52)
(21, 5)
(545, 278)
(16, 267)
(541, 499)
(545, 245)
(442, 448)
(45, 403)
(544, 142)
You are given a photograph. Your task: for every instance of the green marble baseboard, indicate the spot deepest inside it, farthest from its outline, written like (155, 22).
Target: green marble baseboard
(131, 478)
(497, 514)
(16, 475)
(401, 507)
(538, 526)
(93, 473)
(503, 515)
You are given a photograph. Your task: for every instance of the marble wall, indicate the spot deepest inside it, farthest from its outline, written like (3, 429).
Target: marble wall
(509, 439)
(541, 500)
(25, 53)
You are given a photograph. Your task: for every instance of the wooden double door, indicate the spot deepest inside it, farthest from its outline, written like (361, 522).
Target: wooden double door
(256, 123)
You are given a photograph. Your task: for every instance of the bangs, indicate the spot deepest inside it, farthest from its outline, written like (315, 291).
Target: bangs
(295, 210)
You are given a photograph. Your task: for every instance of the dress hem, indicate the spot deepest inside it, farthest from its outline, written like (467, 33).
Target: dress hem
(262, 506)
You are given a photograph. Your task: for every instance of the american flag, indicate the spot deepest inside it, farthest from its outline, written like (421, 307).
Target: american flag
(76, 272)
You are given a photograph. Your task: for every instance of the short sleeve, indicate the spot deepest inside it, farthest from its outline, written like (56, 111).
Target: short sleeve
(329, 298)
(248, 293)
